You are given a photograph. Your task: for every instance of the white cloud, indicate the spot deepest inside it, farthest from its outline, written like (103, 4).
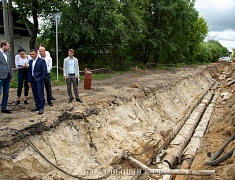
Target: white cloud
(230, 45)
(217, 6)
(220, 16)
(227, 35)
(225, 38)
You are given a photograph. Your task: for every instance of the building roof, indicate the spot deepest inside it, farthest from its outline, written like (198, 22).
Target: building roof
(18, 28)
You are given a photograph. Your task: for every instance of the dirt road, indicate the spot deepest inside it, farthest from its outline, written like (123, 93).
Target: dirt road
(135, 112)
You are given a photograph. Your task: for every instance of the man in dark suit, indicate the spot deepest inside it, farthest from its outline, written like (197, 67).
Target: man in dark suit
(36, 75)
(6, 74)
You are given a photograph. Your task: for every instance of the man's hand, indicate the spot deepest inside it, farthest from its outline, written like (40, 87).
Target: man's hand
(11, 79)
(29, 84)
(65, 77)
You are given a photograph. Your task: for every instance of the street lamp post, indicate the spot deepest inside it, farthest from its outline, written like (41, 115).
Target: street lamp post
(57, 17)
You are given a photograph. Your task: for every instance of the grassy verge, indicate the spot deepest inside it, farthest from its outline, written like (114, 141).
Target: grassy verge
(95, 76)
(61, 81)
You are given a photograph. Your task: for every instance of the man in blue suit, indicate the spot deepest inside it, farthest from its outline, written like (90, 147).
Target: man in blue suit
(36, 75)
(6, 74)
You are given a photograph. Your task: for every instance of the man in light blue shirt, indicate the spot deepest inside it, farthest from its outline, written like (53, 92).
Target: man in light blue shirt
(71, 75)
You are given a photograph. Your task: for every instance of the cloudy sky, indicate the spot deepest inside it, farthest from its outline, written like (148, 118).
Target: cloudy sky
(220, 16)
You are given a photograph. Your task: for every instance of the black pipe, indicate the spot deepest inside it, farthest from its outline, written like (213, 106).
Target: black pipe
(215, 159)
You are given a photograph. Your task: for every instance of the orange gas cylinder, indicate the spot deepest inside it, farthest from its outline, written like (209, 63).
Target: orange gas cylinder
(87, 80)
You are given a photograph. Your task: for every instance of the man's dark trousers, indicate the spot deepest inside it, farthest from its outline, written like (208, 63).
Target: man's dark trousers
(5, 85)
(48, 87)
(38, 93)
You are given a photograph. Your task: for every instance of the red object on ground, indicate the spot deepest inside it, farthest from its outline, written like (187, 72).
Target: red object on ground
(87, 80)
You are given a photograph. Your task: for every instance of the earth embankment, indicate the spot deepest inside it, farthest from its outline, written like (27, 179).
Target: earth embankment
(138, 112)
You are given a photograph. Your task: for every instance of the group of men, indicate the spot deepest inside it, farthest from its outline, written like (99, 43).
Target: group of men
(39, 68)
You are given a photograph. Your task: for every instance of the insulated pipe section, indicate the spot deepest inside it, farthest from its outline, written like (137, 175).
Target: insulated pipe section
(181, 140)
(169, 171)
(188, 112)
(194, 144)
(183, 137)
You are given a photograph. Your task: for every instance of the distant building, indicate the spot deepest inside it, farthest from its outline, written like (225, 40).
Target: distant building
(21, 34)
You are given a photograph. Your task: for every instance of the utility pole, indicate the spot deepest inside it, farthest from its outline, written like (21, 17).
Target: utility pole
(11, 28)
(5, 20)
(8, 27)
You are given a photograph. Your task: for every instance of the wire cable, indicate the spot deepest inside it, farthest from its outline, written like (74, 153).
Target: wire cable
(29, 142)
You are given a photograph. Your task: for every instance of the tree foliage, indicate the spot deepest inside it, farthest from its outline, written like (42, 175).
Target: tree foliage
(210, 51)
(35, 9)
(123, 33)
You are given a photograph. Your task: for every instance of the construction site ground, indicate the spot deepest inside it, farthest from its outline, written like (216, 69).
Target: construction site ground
(134, 112)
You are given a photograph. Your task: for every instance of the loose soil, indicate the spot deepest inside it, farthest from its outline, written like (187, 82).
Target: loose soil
(134, 112)
(221, 128)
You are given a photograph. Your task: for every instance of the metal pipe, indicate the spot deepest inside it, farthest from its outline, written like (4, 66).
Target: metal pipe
(57, 65)
(170, 171)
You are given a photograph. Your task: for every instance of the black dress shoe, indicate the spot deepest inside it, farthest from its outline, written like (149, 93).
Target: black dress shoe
(52, 98)
(34, 109)
(40, 111)
(50, 104)
(17, 102)
(5, 111)
(26, 102)
(79, 100)
(70, 100)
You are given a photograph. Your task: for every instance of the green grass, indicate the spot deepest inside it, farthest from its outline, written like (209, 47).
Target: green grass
(61, 81)
(14, 83)
(95, 76)
(99, 76)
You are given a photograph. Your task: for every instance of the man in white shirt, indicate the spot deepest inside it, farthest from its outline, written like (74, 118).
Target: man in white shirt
(47, 81)
(48, 55)
(47, 52)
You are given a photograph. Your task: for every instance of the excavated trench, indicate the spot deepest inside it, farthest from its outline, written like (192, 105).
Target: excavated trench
(90, 141)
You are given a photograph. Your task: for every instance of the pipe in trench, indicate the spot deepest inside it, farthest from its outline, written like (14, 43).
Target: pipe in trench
(188, 112)
(205, 98)
(201, 108)
(183, 137)
(213, 87)
(181, 140)
(169, 171)
(194, 143)
(215, 159)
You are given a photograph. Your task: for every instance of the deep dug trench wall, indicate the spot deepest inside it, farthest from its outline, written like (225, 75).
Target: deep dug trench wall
(91, 141)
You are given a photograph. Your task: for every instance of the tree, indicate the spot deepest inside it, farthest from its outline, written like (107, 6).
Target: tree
(126, 31)
(92, 27)
(199, 34)
(210, 51)
(36, 9)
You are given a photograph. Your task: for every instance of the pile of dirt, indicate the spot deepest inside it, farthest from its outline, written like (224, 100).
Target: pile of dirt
(134, 112)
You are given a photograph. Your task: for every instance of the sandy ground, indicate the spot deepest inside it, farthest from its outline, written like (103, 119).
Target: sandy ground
(221, 128)
(135, 112)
